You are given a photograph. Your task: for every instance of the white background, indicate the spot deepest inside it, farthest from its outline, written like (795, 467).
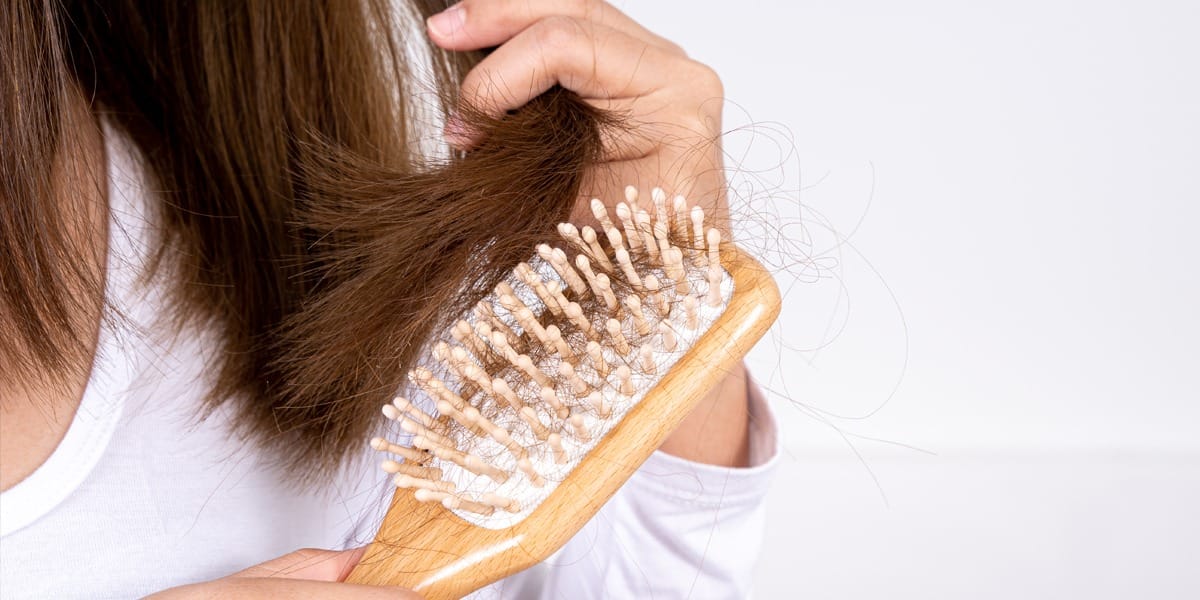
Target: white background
(1024, 279)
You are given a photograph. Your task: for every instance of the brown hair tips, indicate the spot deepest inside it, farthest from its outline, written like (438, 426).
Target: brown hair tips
(300, 219)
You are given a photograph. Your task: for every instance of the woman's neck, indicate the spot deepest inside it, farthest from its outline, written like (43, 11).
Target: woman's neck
(36, 412)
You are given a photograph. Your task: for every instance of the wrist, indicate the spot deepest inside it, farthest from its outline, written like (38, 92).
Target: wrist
(717, 431)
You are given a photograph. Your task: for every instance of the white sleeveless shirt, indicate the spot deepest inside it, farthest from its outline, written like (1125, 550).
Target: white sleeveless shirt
(145, 493)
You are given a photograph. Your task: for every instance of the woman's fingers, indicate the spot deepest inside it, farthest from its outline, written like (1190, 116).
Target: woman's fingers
(250, 588)
(594, 50)
(309, 563)
(307, 573)
(475, 24)
(591, 60)
(605, 67)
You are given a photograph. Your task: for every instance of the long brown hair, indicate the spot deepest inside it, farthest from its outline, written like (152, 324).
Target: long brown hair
(304, 223)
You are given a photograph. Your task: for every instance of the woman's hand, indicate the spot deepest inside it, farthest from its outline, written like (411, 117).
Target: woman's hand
(672, 103)
(302, 574)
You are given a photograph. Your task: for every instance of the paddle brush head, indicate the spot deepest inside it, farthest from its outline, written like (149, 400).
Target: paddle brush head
(530, 411)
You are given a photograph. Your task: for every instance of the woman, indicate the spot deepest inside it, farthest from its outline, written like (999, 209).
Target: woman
(213, 223)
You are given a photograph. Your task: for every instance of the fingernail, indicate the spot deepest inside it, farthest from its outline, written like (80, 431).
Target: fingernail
(448, 22)
(455, 131)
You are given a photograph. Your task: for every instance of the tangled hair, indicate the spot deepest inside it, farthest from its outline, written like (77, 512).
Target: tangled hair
(303, 223)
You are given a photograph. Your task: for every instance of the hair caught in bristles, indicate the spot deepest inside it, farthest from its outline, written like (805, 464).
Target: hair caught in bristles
(398, 256)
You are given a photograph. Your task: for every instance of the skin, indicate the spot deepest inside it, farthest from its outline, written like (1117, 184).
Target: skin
(611, 61)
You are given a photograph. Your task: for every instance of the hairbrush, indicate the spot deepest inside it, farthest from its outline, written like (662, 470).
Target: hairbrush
(528, 413)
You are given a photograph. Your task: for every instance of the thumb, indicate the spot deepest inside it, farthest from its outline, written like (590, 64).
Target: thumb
(253, 588)
(309, 563)
(308, 573)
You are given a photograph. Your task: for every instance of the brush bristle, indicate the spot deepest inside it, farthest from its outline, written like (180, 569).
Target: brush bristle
(518, 391)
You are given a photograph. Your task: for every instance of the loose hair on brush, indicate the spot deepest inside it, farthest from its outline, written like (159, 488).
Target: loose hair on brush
(297, 215)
